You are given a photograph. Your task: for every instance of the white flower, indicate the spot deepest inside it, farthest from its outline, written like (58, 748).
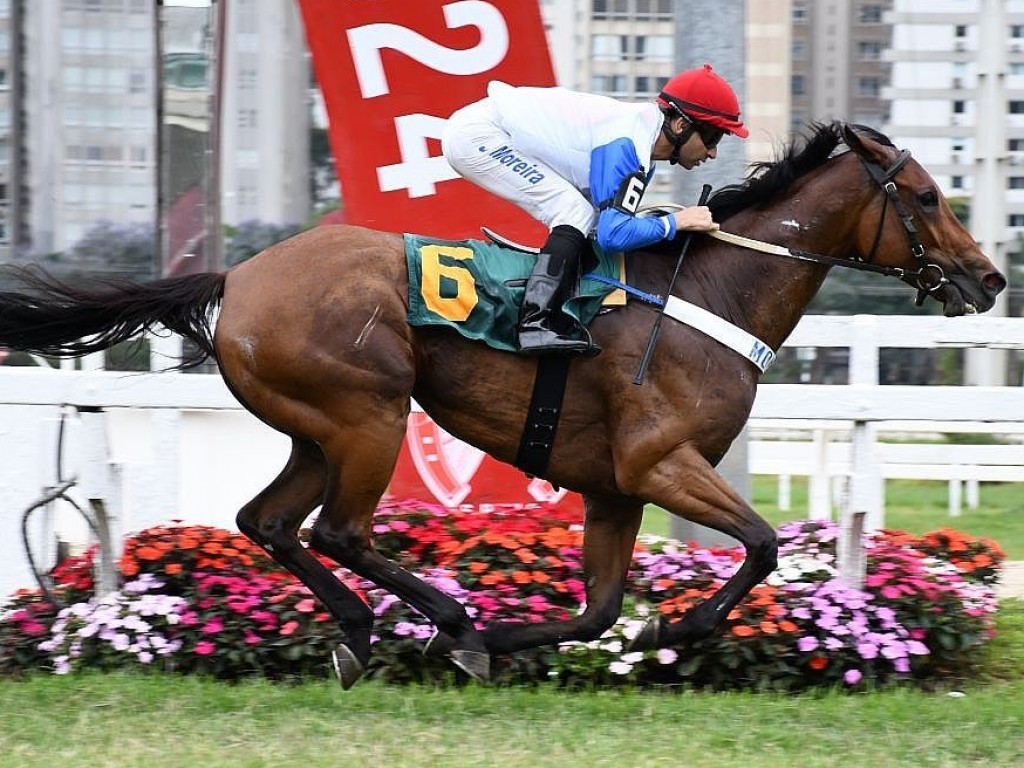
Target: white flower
(620, 668)
(667, 656)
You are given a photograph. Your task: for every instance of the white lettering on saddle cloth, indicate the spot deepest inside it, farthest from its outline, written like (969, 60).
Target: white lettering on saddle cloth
(751, 347)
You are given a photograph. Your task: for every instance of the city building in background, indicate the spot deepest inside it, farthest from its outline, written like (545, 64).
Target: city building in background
(79, 88)
(839, 61)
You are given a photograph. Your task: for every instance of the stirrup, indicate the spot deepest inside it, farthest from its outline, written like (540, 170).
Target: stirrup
(544, 341)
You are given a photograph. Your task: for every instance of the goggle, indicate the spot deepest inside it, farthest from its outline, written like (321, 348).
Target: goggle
(708, 133)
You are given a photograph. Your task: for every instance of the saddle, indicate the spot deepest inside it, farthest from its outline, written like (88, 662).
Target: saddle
(476, 287)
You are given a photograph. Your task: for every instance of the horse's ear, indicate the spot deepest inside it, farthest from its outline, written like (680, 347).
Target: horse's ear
(866, 148)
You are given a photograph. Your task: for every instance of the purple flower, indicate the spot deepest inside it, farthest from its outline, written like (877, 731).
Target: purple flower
(807, 643)
(852, 676)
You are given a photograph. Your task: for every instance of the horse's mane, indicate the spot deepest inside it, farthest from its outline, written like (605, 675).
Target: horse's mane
(765, 179)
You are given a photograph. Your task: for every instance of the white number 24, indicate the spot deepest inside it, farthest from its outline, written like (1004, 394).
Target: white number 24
(418, 172)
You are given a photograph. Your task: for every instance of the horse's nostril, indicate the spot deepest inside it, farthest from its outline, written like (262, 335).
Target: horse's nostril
(994, 282)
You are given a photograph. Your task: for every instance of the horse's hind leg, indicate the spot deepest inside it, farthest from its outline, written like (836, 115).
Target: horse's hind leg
(360, 468)
(272, 520)
(686, 485)
(608, 540)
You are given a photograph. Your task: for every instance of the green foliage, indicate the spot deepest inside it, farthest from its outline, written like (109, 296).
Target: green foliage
(244, 241)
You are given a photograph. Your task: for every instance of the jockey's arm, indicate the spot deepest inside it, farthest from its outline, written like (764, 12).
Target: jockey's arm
(617, 184)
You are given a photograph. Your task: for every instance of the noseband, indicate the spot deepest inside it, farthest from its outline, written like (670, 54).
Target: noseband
(929, 276)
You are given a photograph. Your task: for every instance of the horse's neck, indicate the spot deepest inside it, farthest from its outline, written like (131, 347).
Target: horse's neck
(768, 294)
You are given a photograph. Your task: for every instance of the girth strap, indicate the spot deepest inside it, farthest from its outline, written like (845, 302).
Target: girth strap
(543, 414)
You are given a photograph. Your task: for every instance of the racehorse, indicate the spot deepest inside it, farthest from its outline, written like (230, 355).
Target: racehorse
(312, 338)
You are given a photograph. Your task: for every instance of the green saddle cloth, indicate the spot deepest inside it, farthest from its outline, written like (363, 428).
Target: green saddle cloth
(464, 284)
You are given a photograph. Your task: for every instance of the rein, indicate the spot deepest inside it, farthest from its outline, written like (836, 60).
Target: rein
(929, 276)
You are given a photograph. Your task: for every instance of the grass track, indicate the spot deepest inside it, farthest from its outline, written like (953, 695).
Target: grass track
(156, 721)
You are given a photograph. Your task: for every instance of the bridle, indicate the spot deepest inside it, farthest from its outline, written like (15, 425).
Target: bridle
(927, 278)
(930, 276)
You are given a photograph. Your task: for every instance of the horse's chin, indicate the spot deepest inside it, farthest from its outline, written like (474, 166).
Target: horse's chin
(955, 303)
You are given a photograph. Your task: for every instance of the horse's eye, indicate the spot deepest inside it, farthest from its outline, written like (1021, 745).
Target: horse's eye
(928, 199)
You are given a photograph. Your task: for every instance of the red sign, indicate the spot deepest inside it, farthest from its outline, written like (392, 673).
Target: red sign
(391, 72)
(433, 465)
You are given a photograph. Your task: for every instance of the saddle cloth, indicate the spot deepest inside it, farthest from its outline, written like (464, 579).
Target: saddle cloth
(476, 287)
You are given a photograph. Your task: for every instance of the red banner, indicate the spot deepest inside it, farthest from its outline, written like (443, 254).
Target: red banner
(433, 465)
(391, 72)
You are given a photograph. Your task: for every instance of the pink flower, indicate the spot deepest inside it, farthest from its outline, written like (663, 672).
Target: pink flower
(251, 638)
(306, 606)
(852, 676)
(205, 648)
(33, 628)
(289, 628)
(213, 626)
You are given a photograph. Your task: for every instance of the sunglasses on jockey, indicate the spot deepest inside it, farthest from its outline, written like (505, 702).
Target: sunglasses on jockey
(709, 134)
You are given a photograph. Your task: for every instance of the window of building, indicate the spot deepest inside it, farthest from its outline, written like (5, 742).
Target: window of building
(1017, 31)
(869, 50)
(609, 47)
(869, 86)
(1016, 107)
(956, 182)
(655, 47)
(609, 84)
(1015, 182)
(870, 13)
(247, 118)
(647, 85)
(799, 12)
(1015, 145)
(798, 51)
(797, 85)
(959, 107)
(960, 31)
(1015, 220)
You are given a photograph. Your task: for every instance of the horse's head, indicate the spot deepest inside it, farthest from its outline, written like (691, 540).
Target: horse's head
(911, 226)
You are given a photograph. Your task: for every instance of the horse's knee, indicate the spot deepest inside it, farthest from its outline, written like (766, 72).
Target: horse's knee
(344, 546)
(266, 531)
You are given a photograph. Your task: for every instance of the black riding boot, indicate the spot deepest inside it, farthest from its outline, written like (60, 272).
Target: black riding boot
(543, 327)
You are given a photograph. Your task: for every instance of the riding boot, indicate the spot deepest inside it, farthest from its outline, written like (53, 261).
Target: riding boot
(543, 327)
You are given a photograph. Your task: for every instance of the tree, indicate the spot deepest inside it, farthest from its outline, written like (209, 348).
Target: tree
(245, 240)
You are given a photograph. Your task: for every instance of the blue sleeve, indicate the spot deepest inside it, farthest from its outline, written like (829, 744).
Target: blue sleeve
(610, 165)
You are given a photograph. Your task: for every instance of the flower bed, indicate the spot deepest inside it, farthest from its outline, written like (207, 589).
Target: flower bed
(200, 599)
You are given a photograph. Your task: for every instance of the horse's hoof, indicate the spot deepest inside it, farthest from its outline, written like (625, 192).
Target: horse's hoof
(440, 644)
(347, 667)
(474, 663)
(649, 637)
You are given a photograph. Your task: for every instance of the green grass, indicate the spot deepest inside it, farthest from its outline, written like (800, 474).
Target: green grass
(160, 721)
(917, 506)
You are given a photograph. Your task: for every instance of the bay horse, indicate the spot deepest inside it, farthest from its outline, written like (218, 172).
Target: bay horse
(312, 338)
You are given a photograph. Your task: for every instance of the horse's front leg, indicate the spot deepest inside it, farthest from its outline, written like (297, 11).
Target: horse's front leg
(609, 537)
(685, 484)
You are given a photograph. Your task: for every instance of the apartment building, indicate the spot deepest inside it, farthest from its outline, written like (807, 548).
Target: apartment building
(79, 138)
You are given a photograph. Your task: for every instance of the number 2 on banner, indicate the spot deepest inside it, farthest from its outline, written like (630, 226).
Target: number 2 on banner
(418, 172)
(366, 43)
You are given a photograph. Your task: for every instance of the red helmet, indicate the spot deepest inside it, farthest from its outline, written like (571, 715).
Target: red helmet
(703, 95)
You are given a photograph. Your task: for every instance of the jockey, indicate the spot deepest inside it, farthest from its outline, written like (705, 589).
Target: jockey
(579, 163)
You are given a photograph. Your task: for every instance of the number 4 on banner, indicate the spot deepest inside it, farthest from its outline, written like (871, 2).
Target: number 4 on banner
(418, 172)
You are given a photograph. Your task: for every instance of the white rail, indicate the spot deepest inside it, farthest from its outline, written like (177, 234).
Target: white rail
(180, 446)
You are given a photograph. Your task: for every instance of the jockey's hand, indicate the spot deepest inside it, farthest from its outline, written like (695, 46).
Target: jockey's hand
(695, 218)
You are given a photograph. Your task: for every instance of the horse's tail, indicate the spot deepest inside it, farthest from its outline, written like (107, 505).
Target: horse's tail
(57, 319)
